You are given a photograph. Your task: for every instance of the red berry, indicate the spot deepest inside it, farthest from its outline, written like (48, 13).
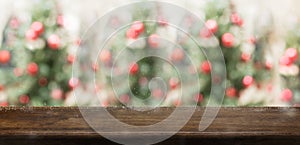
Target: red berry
(133, 68)
(206, 67)
(138, 27)
(105, 56)
(53, 41)
(231, 92)
(292, 54)
(177, 54)
(236, 19)
(71, 58)
(212, 26)
(37, 27)
(248, 81)
(57, 94)
(227, 40)
(4, 56)
(24, 99)
(286, 95)
(198, 98)
(31, 35)
(245, 57)
(32, 69)
(153, 40)
(1, 88)
(173, 82)
(73, 83)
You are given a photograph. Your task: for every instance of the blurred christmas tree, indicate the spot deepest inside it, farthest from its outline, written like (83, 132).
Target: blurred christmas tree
(140, 39)
(35, 67)
(244, 57)
(289, 66)
(147, 63)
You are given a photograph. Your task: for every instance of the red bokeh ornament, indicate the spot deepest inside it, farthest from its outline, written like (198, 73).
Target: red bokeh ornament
(206, 67)
(135, 30)
(133, 68)
(157, 93)
(53, 42)
(71, 58)
(198, 98)
(204, 33)
(252, 40)
(4, 104)
(173, 82)
(18, 72)
(268, 65)
(60, 20)
(131, 34)
(24, 99)
(124, 99)
(177, 55)
(177, 102)
(73, 83)
(286, 95)
(231, 92)
(292, 54)
(153, 40)
(105, 56)
(57, 94)
(37, 27)
(138, 27)
(212, 26)
(32, 69)
(31, 35)
(4, 56)
(236, 19)
(43, 81)
(95, 67)
(245, 57)
(227, 40)
(285, 60)
(248, 81)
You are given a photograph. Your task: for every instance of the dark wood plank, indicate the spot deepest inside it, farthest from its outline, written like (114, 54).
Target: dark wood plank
(65, 125)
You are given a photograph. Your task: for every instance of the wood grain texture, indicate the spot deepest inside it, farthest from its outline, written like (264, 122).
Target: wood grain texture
(65, 125)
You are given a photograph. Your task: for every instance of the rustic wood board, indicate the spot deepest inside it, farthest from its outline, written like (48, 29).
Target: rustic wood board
(233, 125)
